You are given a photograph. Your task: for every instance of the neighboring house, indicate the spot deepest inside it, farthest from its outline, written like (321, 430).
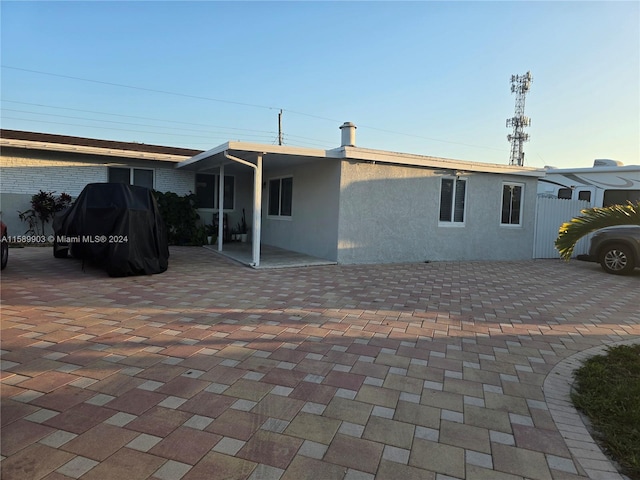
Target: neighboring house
(347, 205)
(356, 205)
(30, 162)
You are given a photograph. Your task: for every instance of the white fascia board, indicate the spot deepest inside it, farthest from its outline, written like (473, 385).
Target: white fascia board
(257, 148)
(357, 153)
(108, 152)
(201, 156)
(364, 154)
(276, 149)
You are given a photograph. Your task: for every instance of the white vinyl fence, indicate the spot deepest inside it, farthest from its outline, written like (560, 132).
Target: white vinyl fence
(550, 214)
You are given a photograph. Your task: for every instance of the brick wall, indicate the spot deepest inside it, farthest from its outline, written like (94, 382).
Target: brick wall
(66, 179)
(29, 175)
(176, 181)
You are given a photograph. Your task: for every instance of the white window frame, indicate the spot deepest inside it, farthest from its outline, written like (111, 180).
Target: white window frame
(216, 193)
(216, 198)
(279, 216)
(451, 222)
(502, 199)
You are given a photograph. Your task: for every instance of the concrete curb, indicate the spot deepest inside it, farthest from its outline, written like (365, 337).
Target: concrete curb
(557, 388)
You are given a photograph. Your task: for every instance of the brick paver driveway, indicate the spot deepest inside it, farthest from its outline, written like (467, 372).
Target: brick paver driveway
(214, 371)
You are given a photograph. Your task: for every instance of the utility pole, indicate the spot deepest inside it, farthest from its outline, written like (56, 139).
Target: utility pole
(520, 85)
(280, 128)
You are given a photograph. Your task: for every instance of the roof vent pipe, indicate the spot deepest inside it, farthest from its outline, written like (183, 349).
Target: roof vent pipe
(348, 134)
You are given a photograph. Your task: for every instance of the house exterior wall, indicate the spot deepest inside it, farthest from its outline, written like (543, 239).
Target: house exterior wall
(172, 180)
(313, 227)
(390, 213)
(25, 172)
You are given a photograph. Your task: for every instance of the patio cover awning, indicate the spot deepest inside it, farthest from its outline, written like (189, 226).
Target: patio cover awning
(240, 155)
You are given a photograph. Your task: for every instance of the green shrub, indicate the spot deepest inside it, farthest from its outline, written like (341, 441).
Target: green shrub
(181, 218)
(44, 205)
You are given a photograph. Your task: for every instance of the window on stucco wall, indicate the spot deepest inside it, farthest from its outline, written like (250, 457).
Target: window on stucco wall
(453, 194)
(281, 197)
(511, 204)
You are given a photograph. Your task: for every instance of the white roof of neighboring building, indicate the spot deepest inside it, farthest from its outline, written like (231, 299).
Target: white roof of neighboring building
(596, 170)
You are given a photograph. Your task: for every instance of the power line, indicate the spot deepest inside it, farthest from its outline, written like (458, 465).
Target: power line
(134, 116)
(119, 129)
(206, 139)
(164, 92)
(246, 105)
(178, 94)
(429, 138)
(122, 123)
(249, 132)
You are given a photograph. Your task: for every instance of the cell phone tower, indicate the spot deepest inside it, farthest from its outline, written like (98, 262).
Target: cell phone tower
(520, 85)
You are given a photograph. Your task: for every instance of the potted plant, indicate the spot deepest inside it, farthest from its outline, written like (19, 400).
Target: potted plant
(212, 234)
(242, 228)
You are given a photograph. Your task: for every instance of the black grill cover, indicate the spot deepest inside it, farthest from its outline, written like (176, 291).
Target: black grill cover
(117, 227)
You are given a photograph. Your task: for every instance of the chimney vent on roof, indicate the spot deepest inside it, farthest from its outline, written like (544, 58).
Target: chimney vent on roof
(348, 134)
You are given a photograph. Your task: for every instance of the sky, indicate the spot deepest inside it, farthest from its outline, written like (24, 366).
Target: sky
(428, 78)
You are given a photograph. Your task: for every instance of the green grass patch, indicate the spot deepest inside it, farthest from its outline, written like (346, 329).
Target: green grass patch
(607, 390)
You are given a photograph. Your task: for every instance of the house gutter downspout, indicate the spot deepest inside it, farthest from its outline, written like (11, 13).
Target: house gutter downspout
(257, 203)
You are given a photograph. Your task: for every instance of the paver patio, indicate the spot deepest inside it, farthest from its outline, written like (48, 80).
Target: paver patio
(213, 370)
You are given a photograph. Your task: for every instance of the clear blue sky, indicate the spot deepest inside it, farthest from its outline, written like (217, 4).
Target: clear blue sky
(431, 78)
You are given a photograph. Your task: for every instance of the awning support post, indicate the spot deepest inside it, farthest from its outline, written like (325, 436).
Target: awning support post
(220, 207)
(257, 202)
(257, 210)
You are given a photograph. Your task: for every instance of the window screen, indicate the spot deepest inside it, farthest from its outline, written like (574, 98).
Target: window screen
(511, 204)
(452, 198)
(119, 175)
(281, 197)
(205, 190)
(143, 177)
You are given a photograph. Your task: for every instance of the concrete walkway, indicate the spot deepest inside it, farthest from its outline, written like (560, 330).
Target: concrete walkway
(270, 257)
(213, 370)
